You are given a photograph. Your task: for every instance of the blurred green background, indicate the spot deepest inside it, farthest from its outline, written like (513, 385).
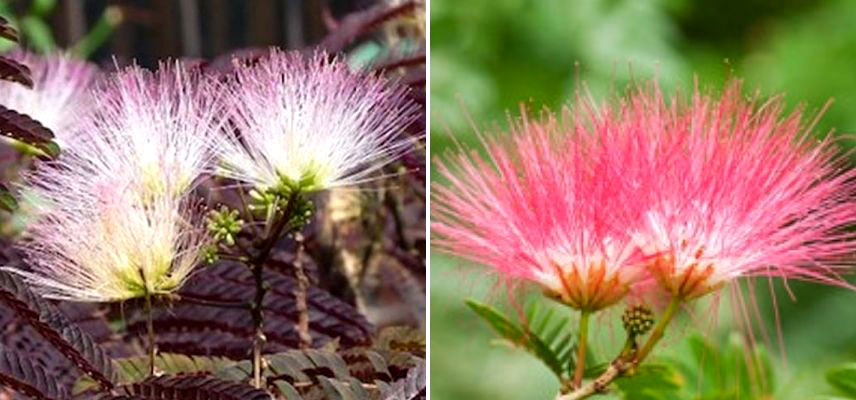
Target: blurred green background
(489, 56)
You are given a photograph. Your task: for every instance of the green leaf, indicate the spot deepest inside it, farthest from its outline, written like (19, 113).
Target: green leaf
(554, 330)
(348, 389)
(651, 381)
(104, 27)
(38, 34)
(136, 369)
(843, 378)
(42, 8)
(364, 55)
(519, 337)
(48, 150)
(7, 201)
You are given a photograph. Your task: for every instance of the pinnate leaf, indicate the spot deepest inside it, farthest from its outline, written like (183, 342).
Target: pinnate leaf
(361, 23)
(183, 387)
(25, 129)
(74, 344)
(13, 71)
(519, 336)
(843, 378)
(27, 377)
(652, 382)
(7, 31)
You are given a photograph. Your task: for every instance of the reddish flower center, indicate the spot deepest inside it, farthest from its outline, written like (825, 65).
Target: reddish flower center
(690, 282)
(589, 289)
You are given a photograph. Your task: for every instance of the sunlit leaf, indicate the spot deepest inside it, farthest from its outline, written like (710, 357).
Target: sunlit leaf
(843, 378)
(38, 34)
(516, 335)
(651, 382)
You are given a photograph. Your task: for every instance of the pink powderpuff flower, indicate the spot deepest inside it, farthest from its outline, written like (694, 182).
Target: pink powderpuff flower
(155, 129)
(110, 245)
(538, 209)
(114, 215)
(311, 122)
(59, 98)
(735, 187)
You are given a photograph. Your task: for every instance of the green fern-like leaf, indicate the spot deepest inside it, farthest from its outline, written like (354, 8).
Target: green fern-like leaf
(843, 378)
(136, 369)
(554, 331)
(536, 341)
(730, 369)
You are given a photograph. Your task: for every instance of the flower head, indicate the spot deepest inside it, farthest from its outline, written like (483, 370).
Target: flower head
(692, 194)
(536, 210)
(308, 122)
(112, 245)
(115, 220)
(737, 188)
(59, 98)
(153, 128)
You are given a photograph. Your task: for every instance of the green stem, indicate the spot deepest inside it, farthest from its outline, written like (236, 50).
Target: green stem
(300, 295)
(582, 344)
(258, 325)
(106, 25)
(622, 364)
(659, 329)
(274, 232)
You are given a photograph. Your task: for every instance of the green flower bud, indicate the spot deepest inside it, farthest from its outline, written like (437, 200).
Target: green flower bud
(637, 320)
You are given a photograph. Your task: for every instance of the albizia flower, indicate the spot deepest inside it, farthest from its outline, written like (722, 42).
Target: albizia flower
(112, 245)
(153, 128)
(311, 122)
(114, 217)
(59, 98)
(698, 192)
(537, 210)
(736, 188)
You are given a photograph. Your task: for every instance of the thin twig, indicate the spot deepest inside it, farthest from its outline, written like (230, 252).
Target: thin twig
(392, 205)
(258, 325)
(623, 362)
(233, 257)
(300, 295)
(185, 298)
(150, 326)
(582, 344)
(258, 262)
(245, 211)
(616, 369)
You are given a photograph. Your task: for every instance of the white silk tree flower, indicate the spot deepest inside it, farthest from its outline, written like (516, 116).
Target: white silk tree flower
(60, 96)
(115, 219)
(112, 245)
(310, 122)
(153, 128)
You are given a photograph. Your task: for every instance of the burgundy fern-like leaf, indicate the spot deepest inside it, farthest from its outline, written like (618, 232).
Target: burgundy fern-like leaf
(400, 59)
(11, 70)
(23, 128)
(361, 23)
(7, 31)
(205, 330)
(414, 77)
(20, 337)
(198, 387)
(75, 344)
(26, 377)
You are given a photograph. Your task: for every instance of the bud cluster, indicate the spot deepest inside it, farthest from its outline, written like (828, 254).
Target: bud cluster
(224, 224)
(637, 320)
